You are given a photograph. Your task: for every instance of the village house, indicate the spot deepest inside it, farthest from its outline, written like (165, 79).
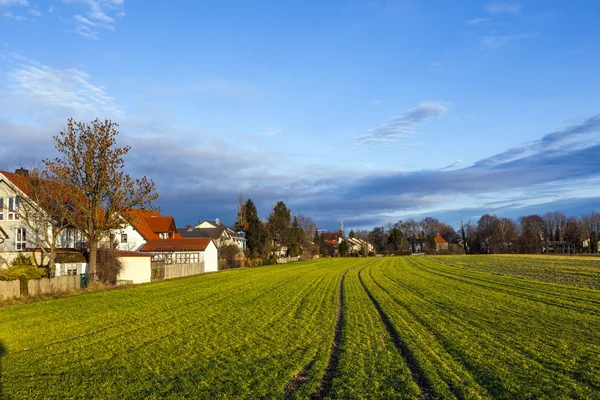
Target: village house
(16, 235)
(220, 233)
(441, 244)
(144, 226)
(356, 245)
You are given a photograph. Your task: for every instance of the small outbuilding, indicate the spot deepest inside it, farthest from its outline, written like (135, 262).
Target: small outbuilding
(441, 244)
(184, 251)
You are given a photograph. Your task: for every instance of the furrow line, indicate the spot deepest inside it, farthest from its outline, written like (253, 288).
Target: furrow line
(412, 363)
(323, 389)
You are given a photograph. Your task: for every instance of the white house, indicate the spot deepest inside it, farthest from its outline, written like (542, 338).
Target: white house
(15, 235)
(185, 251)
(144, 226)
(220, 233)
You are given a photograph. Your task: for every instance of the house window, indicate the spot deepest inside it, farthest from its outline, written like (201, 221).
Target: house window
(13, 209)
(20, 239)
(187, 258)
(1, 208)
(163, 235)
(123, 238)
(72, 269)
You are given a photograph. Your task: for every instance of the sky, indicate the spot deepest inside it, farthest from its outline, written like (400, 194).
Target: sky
(366, 112)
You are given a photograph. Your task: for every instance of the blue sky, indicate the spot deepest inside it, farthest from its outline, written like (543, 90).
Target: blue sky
(361, 111)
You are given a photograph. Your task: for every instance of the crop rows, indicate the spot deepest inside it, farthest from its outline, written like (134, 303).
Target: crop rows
(206, 336)
(566, 270)
(407, 327)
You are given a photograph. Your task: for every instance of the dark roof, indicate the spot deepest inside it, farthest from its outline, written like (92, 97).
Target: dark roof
(159, 245)
(213, 233)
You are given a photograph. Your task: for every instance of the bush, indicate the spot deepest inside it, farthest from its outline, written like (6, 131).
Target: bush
(108, 266)
(22, 268)
(229, 253)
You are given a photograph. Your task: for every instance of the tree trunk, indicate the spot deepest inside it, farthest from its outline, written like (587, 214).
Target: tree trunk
(93, 256)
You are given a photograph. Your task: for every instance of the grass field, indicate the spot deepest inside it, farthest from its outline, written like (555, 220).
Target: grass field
(422, 327)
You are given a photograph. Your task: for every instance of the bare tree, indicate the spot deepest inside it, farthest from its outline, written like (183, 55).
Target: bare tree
(560, 223)
(90, 166)
(549, 230)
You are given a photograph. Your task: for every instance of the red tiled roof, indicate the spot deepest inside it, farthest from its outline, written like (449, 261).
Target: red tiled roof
(331, 235)
(439, 239)
(150, 223)
(176, 244)
(20, 181)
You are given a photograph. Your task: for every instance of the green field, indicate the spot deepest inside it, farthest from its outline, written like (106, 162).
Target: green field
(506, 327)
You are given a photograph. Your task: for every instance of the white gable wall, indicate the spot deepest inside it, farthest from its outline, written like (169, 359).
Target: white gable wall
(210, 257)
(134, 240)
(11, 226)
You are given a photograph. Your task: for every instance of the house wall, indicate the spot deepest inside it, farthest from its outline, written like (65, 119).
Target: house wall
(136, 269)
(11, 226)
(210, 257)
(134, 240)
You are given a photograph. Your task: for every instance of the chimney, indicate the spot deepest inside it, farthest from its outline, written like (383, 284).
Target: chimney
(22, 171)
(217, 221)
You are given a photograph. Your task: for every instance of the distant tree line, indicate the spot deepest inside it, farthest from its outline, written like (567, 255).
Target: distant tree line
(552, 232)
(396, 238)
(281, 234)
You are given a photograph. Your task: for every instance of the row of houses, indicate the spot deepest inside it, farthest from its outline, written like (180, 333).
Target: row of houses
(145, 237)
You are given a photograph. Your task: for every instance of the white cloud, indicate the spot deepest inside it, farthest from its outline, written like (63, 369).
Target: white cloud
(9, 3)
(403, 126)
(100, 14)
(8, 14)
(69, 89)
(34, 12)
(477, 21)
(495, 42)
(270, 132)
(503, 8)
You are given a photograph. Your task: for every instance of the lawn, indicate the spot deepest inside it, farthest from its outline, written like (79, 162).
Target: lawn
(401, 327)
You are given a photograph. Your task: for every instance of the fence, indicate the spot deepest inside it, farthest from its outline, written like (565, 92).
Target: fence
(32, 287)
(179, 270)
(160, 270)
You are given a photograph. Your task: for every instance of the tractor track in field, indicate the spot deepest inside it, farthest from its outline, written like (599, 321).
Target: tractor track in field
(413, 365)
(299, 379)
(334, 353)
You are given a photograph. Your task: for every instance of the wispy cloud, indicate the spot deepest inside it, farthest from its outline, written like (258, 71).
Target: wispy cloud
(554, 141)
(270, 132)
(403, 126)
(503, 8)
(454, 165)
(495, 42)
(9, 3)
(69, 88)
(9, 14)
(8, 6)
(100, 14)
(477, 21)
